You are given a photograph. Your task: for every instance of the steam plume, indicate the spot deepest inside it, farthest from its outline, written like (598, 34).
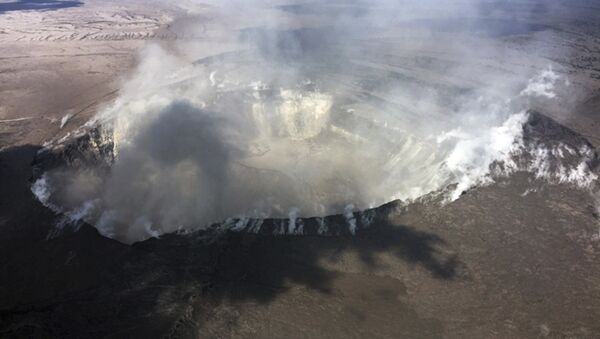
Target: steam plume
(309, 110)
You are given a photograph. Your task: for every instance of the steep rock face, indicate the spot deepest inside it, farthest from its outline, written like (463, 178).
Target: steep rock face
(543, 131)
(555, 153)
(93, 149)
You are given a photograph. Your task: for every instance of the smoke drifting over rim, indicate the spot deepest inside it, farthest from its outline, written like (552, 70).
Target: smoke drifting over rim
(306, 109)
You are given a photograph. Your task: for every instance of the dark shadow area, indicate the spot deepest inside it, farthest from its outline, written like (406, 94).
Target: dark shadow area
(22, 218)
(269, 258)
(81, 284)
(37, 5)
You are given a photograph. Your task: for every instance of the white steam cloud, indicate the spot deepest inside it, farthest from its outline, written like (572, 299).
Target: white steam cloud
(542, 85)
(304, 110)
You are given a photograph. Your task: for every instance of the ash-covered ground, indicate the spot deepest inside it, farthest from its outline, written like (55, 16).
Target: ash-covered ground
(287, 169)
